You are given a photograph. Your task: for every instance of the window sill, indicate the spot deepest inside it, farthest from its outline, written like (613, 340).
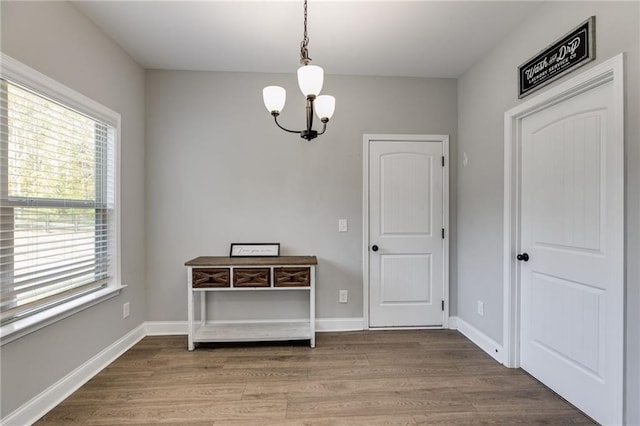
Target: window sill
(20, 328)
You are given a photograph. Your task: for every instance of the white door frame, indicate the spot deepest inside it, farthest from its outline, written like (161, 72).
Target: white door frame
(608, 71)
(366, 141)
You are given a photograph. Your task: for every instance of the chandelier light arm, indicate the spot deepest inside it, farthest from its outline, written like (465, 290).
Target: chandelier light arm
(324, 126)
(275, 118)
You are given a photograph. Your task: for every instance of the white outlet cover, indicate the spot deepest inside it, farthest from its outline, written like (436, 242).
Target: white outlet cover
(342, 225)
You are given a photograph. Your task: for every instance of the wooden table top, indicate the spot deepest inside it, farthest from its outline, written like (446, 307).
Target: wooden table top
(252, 261)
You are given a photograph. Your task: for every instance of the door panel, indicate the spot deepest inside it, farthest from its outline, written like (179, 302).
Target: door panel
(568, 155)
(405, 197)
(405, 194)
(405, 279)
(572, 335)
(571, 227)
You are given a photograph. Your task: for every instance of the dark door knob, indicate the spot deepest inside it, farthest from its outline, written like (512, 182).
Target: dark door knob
(374, 247)
(523, 257)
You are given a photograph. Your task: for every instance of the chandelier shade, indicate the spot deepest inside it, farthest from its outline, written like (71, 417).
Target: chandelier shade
(274, 98)
(310, 79)
(325, 106)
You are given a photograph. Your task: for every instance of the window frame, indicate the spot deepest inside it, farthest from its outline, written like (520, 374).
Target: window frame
(21, 74)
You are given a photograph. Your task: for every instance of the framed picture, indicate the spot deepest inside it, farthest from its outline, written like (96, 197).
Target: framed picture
(255, 250)
(573, 50)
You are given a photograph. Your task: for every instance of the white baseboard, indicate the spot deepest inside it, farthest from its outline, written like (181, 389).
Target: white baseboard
(453, 323)
(164, 328)
(484, 342)
(41, 404)
(339, 324)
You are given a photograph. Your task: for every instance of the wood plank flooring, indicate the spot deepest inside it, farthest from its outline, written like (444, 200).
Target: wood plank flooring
(425, 377)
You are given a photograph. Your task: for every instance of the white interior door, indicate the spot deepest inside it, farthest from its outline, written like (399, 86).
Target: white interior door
(406, 277)
(572, 232)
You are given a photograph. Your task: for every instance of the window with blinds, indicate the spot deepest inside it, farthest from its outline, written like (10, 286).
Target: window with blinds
(57, 202)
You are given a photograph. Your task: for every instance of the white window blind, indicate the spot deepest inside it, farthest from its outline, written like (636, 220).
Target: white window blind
(57, 202)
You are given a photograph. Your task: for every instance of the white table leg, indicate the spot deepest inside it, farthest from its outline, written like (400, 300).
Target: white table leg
(312, 307)
(190, 345)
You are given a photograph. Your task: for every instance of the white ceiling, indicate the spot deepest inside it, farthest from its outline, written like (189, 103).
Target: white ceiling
(385, 38)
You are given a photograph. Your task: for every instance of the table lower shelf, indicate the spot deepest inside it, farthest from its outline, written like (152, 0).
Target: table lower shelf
(252, 332)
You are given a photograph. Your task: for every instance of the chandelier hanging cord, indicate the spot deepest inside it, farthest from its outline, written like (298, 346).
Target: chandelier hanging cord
(304, 52)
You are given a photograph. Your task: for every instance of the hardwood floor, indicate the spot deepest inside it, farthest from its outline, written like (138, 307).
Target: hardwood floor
(428, 377)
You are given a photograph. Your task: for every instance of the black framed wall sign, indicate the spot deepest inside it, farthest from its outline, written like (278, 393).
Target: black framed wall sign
(571, 51)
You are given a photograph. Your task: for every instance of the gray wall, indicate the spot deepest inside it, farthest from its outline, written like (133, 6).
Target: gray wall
(485, 92)
(55, 39)
(219, 171)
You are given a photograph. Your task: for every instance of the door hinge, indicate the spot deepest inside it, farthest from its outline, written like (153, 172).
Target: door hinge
(443, 161)
(443, 233)
(443, 305)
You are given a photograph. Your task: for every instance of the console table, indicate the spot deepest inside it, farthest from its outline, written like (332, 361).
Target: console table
(211, 274)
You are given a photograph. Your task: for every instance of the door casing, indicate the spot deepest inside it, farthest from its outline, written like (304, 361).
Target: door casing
(366, 140)
(608, 71)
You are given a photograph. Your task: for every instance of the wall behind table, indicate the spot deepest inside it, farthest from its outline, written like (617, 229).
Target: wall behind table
(58, 41)
(218, 171)
(485, 92)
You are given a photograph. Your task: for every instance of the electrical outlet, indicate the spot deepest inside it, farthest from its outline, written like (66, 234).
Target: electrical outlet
(344, 296)
(480, 308)
(342, 225)
(125, 310)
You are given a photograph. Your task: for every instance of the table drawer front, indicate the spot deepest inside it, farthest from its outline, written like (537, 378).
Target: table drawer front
(252, 277)
(292, 277)
(211, 278)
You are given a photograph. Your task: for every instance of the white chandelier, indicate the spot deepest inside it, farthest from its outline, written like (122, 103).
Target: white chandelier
(310, 79)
